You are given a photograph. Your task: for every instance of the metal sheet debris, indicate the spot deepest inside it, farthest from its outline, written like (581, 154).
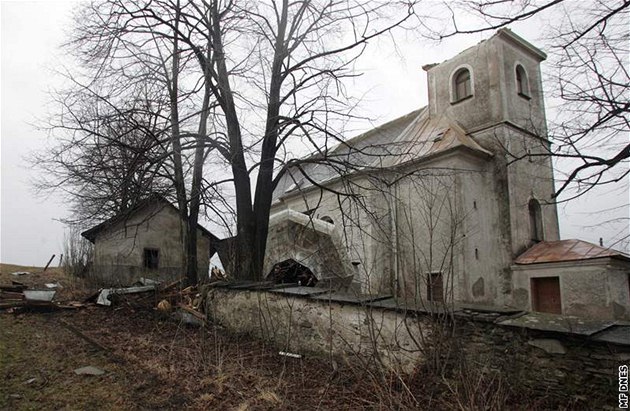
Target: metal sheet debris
(20, 273)
(103, 297)
(289, 354)
(89, 370)
(148, 281)
(39, 295)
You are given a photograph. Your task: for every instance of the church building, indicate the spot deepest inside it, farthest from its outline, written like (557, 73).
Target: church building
(451, 203)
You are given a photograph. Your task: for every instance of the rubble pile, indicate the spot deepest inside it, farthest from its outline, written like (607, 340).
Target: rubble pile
(166, 298)
(19, 297)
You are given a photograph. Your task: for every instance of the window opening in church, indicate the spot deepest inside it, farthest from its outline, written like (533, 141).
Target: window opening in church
(462, 84)
(435, 287)
(522, 86)
(327, 219)
(535, 220)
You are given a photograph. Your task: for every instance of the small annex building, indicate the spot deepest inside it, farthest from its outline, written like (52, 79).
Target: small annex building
(451, 203)
(573, 277)
(146, 241)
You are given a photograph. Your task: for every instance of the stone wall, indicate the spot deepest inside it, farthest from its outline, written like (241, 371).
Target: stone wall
(305, 325)
(575, 364)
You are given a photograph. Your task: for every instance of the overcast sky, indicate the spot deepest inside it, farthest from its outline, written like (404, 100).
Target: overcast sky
(30, 35)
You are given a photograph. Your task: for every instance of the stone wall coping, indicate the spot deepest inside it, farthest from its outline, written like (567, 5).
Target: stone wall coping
(616, 332)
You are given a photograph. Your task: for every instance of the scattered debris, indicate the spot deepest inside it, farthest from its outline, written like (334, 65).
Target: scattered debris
(39, 295)
(53, 285)
(187, 317)
(30, 381)
(104, 296)
(89, 370)
(216, 274)
(92, 297)
(49, 261)
(289, 354)
(164, 306)
(15, 287)
(148, 281)
(21, 273)
(11, 295)
(17, 297)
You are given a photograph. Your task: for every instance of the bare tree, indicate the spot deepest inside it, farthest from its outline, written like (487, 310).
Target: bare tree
(109, 159)
(248, 84)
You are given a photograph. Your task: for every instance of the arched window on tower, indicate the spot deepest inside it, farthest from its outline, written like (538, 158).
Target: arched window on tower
(535, 221)
(462, 84)
(522, 83)
(327, 219)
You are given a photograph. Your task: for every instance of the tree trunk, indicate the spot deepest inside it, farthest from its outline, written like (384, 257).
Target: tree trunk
(264, 183)
(243, 267)
(180, 189)
(192, 275)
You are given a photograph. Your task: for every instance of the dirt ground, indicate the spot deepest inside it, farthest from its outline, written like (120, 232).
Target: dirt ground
(154, 362)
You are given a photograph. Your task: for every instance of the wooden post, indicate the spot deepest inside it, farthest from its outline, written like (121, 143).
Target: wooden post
(49, 261)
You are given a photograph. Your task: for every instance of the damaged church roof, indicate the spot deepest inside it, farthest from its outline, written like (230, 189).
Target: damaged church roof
(567, 250)
(410, 138)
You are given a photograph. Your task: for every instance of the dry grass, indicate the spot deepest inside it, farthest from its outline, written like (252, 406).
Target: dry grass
(36, 369)
(154, 362)
(72, 287)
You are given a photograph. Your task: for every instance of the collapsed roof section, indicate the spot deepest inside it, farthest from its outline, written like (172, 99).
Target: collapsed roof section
(414, 137)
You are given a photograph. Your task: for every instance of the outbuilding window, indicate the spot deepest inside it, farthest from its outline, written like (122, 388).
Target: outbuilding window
(151, 258)
(462, 85)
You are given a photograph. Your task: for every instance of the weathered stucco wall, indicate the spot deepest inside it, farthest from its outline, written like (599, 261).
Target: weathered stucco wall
(596, 289)
(492, 64)
(119, 250)
(302, 325)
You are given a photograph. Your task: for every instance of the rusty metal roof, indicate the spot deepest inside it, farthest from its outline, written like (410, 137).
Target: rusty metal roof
(567, 250)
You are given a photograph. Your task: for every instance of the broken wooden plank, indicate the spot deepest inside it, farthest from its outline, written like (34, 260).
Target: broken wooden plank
(170, 286)
(11, 304)
(11, 295)
(13, 288)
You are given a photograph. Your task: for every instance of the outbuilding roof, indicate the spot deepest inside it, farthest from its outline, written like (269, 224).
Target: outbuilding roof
(154, 199)
(567, 250)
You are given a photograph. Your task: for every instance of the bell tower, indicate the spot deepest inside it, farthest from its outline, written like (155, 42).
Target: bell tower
(494, 91)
